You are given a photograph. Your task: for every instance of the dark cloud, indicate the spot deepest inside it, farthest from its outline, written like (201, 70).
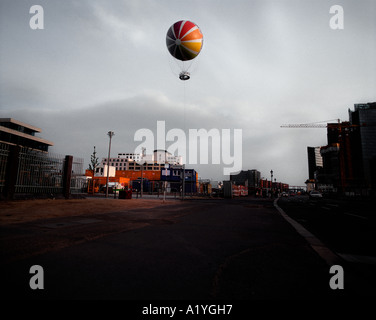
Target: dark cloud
(100, 66)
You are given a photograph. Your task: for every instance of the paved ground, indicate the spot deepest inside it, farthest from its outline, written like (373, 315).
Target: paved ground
(347, 226)
(191, 250)
(29, 210)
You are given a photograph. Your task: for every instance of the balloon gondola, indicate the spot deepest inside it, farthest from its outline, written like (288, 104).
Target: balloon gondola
(184, 75)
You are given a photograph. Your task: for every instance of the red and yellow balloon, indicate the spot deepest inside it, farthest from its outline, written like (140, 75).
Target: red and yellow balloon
(184, 40)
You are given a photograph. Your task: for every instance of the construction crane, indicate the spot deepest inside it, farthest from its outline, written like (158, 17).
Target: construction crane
(318, 124)
(342, 129)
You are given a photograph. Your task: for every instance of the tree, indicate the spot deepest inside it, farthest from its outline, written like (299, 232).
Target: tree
(94, 162)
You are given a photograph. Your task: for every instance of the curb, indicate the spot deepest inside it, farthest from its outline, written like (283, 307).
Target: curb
(320, 248)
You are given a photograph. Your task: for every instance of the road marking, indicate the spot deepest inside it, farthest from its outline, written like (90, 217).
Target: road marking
(355, 215)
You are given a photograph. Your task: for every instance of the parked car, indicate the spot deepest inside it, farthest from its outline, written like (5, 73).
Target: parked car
(314, 194)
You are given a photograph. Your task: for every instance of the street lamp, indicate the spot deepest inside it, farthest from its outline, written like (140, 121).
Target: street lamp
(142, 163)
(275, 185)
(142, 178)
(271, 180)
(183, 189)
(110, 134)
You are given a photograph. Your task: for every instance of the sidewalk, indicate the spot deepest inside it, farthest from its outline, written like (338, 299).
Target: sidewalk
(360, 278)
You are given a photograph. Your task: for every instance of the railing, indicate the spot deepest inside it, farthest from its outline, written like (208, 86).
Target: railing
(78, 182)
(4, 151)
(39, 172)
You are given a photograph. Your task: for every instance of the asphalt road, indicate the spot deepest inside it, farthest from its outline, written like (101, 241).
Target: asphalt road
(196, 250)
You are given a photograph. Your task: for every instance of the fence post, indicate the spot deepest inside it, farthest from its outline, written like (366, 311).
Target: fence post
(67, 175)
(11, 172)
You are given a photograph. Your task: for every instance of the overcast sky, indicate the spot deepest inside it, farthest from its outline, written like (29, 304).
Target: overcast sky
(103, 65)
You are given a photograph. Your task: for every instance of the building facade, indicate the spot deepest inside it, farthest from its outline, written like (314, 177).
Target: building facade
(145, 169)
(249, 178)
(315, 162)
(14, 132)
(138, 162)
(349, 158)
(364, 117)
(174, 176)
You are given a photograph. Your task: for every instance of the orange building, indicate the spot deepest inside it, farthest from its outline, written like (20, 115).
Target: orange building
(151, 175)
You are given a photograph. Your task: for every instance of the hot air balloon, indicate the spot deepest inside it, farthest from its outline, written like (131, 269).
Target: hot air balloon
(184, 41)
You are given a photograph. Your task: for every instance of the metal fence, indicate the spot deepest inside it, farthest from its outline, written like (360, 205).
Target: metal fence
(4, 151)
(78, 180)
(38, 173)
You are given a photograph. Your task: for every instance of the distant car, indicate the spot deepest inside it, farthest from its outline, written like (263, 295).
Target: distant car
(285, 194)
(315, 194)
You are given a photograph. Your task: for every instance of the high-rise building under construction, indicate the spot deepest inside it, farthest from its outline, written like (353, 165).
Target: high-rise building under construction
(364, 116)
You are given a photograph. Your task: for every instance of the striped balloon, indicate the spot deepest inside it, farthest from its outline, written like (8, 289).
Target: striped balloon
(184, 40)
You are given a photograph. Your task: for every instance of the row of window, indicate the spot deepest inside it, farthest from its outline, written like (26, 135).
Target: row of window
(133, 166)
(175, 173)
(169, 159)
(179, 173)
(117, 160)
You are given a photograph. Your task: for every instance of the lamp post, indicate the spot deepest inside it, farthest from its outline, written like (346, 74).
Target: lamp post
(183, 189)
(275, 185)
(142, 179)
(142, 171)
(271, 183)
(110, 134)
(271, 180)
